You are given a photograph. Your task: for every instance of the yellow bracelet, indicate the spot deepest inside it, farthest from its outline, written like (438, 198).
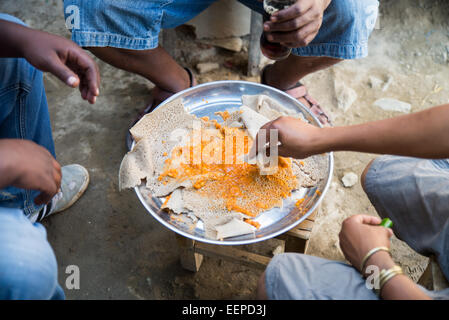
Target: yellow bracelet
(386, 275)
(369, 254)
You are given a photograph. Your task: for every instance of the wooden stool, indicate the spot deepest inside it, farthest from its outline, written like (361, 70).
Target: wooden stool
(192, 252)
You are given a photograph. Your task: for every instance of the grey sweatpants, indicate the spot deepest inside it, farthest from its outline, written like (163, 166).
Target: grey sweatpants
(414, 194)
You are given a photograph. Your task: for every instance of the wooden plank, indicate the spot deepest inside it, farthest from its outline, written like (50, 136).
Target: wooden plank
(190, 260)
(302, 234)
(254, 47)
(306, 247)
(306, 225)
(233, 254)
(313, 215)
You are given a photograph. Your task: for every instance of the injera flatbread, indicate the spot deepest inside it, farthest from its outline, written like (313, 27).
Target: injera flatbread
(145, 162)
(157, 133)
(268, 107)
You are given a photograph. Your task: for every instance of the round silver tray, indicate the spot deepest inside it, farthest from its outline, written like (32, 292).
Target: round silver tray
(205, 100)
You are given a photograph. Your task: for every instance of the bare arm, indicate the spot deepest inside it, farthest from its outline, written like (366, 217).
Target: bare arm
(399, 287)
(51, 53)
(423, 134)
(361, 233)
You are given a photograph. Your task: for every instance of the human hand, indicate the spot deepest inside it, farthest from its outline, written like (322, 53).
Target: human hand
(63, 58)
(361, 233)
(298, 139)
(25, 164)
(297, 25)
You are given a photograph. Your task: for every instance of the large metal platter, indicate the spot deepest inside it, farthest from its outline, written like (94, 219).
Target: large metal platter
(205, 100)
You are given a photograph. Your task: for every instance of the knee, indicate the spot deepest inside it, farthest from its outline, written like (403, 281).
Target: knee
(27, 273)
(364, 174)
(280, 279)
(28, 268)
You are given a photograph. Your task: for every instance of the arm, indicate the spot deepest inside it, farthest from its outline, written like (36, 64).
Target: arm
(360, 234)
(399, 287)
(51, 53)
(423, 134)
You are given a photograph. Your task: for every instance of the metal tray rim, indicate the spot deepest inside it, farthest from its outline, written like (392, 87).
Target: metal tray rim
(255, 239)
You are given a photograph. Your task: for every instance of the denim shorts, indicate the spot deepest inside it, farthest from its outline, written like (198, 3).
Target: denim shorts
(136, 24)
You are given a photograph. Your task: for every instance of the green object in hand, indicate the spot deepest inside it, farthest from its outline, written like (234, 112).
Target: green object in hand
(387, 223)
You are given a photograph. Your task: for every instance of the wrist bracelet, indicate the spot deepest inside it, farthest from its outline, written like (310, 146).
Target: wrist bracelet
(369, 254)
(386, 275)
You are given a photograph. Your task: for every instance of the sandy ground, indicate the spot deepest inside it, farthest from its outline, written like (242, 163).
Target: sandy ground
(122, 252)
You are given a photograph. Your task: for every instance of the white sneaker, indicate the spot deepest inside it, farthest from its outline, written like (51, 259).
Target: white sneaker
(75, 179)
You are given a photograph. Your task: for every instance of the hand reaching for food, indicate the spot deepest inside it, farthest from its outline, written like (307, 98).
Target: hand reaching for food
(297, 139)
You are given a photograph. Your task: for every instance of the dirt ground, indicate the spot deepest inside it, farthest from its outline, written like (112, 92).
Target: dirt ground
(122, 252)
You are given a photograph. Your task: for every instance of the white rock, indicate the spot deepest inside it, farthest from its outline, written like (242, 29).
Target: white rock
(205, 67)
(278, 250)
(346, 96)
(375, 82)
(349, 179)
(389, 104)
(233, 44)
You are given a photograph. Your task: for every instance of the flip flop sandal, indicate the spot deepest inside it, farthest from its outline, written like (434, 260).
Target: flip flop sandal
(151, 106)
(299, 91)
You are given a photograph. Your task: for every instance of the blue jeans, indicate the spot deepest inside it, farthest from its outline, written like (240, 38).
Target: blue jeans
(136, 24)
(23, 115)
(28, 268)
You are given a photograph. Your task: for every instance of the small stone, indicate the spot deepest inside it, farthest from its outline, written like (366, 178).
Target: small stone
(389, 104)
(349, 179)
(233, 44)
(205, 67)
(278, 250)
(346, 96)
(375, 82)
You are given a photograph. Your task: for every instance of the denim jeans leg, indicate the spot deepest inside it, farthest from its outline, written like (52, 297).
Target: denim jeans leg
(28, 268)
(23, 115)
